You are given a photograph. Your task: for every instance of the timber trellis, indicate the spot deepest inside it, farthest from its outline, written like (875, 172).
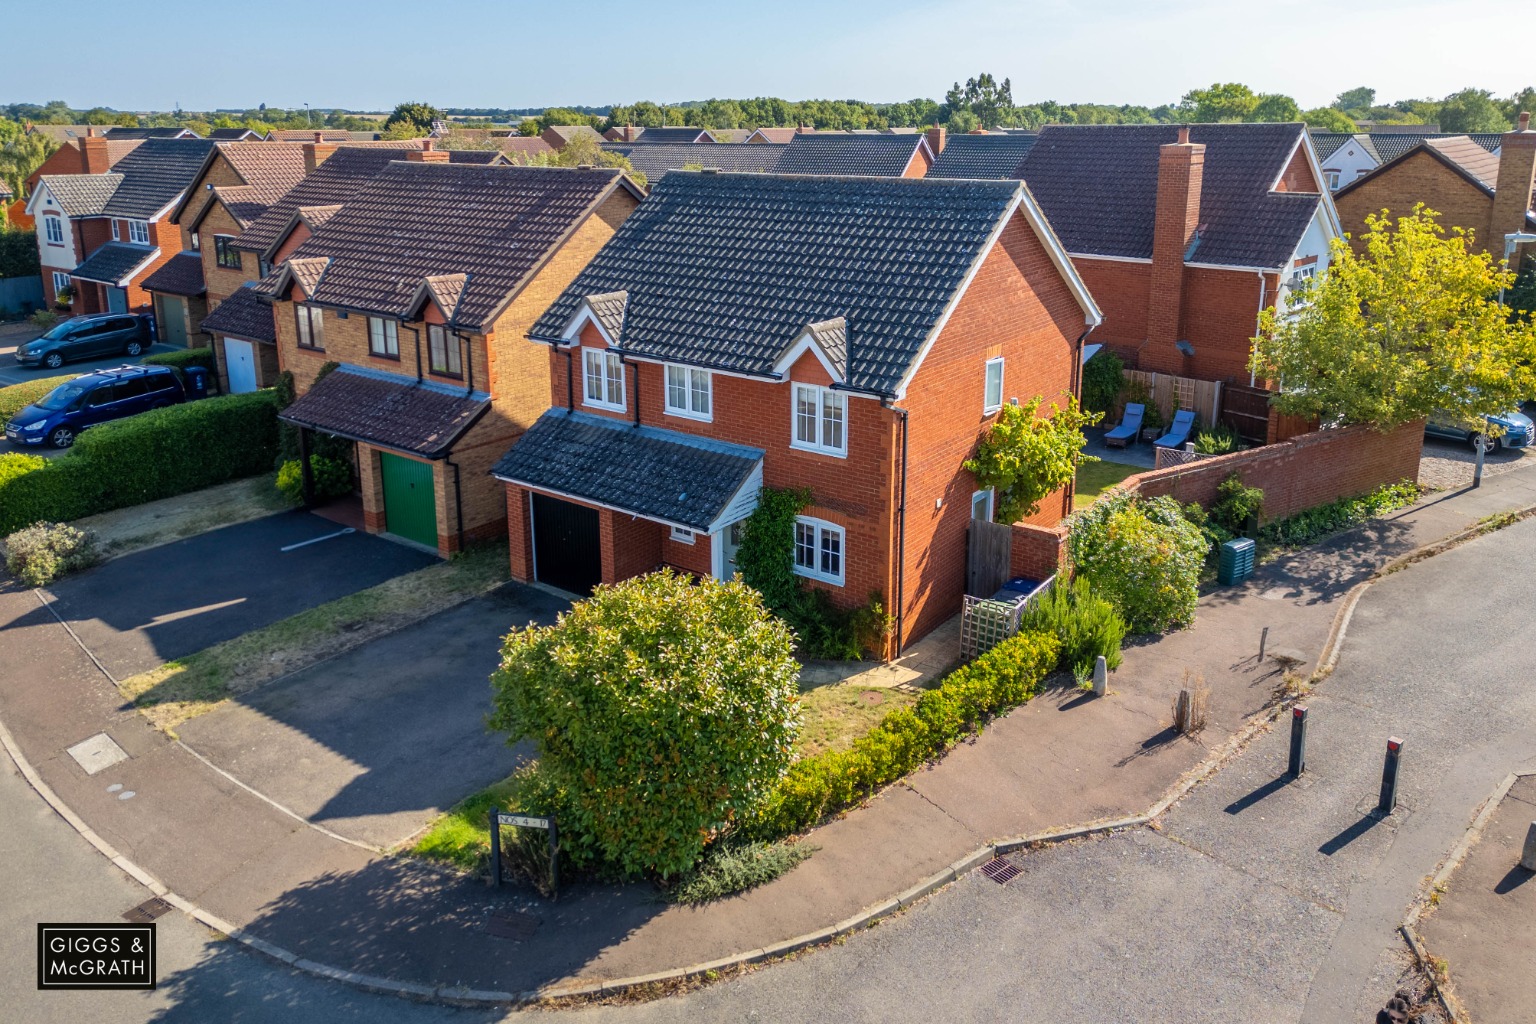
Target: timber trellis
(1168, 392)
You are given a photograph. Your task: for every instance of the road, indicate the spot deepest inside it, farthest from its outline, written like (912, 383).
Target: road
(1256, 900)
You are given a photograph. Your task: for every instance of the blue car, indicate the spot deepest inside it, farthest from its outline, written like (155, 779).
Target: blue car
(94, 398)
(1515, 430)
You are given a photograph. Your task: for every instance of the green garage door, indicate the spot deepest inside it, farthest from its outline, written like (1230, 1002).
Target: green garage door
(410, 508)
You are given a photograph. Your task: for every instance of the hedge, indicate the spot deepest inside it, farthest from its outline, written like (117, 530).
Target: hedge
(17, 397)
(156, 454)
(183, 358)
(998, 681)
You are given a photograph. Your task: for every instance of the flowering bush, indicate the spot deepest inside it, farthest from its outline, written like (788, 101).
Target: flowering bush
(41, 553)
(1143, 555)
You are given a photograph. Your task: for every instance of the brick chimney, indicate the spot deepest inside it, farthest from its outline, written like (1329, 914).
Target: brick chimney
(1180, 173)
(629, 133)
(316, 153)
(93, 154)
(937, 136)
(427, 154)
(1512, 194)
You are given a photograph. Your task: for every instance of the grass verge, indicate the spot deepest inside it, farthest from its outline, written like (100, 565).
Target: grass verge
(137, 527)
(1094, 478)
(183, 689)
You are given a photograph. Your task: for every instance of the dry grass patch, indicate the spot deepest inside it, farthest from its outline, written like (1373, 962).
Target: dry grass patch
(126, 530)
(832, 717)
(183, 689)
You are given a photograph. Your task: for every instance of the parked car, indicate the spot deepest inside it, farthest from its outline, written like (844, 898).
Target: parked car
(88, 337)
(1515, 430)
(92, 399)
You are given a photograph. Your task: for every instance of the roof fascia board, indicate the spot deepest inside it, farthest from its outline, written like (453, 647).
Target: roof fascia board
(1111, 259)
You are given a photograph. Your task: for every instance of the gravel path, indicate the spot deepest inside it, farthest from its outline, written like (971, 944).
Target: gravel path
(1447, 465)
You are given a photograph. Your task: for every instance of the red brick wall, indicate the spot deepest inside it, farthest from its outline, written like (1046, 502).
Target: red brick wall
(1298, 175)
(521, 537)
(1038, 552)
(630, 546)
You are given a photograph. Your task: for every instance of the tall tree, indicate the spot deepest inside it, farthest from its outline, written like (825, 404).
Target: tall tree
(1471, 110)
(1273, 106)
(992, 103)
(1354, 99)
(1522, 102)
(415, 118)
(21, 155)
(1229, 101)
(1329, 119)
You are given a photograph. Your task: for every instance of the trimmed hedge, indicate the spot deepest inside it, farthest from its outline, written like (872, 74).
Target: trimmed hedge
(17, 397)
(156, 454)
(183, 358)
(998, 681)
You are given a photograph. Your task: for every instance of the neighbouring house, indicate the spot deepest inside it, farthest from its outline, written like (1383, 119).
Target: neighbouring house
(326, 135)
(119, 132)
(1344, 157)
(5, 204)
(1391, 146)
(677, 136)
(560, 135)
(656, 160)
(1487, 194)
(235, 135)
(423, 286)
(853, 336)
(71, 158)
(520, 148)
(1185, 234)
(779, 135)
(982, 155)
(101, 233)
(64, 133)
(844, 153)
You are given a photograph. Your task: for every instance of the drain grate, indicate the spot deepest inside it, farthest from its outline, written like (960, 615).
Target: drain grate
(147, 911)
(518, 927)
(1000, 870)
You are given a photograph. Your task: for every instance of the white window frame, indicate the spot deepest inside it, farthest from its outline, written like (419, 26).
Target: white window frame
(1332, 178)
(818, 442)
(989, 406)
(682, 536)
(387, 333)
(821, 531)
(989, 497)
(692, 390)
(611, 370)
(116, 237)
(197, 241)
(53, 230)
(60, 282)
(138, 232)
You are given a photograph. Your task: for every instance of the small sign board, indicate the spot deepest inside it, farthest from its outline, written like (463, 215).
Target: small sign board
(524, 820)
(499, 820)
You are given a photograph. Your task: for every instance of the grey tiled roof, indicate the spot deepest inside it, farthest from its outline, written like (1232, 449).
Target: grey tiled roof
(1098, 187)
(726, 270)
(609, 310)
(832, 336)
(233, 134)
(1327, 143)
(883, 156)
(665, 136)
(656, 160)
(82, 195)
(182, 274)
(660, 474)
(1391, 145)
(243, 315)
(114, 262)
(150, 133)
(155, 174)
(387, 409)
(982, 156)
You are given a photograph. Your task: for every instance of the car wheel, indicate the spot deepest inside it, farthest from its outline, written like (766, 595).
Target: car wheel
(62, 437)
(134, 347)
(53, 360)
(1491, 444)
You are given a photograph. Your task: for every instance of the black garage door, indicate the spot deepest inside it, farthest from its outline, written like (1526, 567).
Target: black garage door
(566, 549)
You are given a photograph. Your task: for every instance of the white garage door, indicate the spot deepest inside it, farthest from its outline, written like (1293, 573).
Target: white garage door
(240, 357)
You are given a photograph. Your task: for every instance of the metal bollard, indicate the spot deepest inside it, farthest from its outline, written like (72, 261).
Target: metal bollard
(1100, 676)
(1298, 741)
(1263, 641)
(1388, 802)
(1528, 855)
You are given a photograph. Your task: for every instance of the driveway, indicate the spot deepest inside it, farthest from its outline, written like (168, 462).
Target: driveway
(374, 744)
(142, 610)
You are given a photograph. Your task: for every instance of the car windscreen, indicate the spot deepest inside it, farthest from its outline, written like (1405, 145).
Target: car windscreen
(61, 397)
(60, 331)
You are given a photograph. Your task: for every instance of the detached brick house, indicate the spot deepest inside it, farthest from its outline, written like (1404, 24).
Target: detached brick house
(423, 286)
(1485, 193)
(103, 232)
(1185, 234)
(854, 336)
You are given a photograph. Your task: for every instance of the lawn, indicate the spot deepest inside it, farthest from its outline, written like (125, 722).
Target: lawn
(1094, 478)
(136, 527)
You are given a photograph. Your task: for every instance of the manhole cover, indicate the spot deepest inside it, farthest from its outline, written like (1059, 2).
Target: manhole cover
(147, 911)
(1000, 870)
(512, 926)
(97, 753)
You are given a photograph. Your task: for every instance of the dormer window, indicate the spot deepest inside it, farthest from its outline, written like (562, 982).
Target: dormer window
(443, 347)
(820, 416)
(602, 379)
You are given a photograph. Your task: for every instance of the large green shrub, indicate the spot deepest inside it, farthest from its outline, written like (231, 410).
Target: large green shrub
(998, 681)
(333, 479)
(155, 454)
(18, 253)
(663, 708)
(1235, 504)
(1217, 440)
(17, 397)
(1142, 554)
(1103, 378)
(41, 553)
(1086, 625)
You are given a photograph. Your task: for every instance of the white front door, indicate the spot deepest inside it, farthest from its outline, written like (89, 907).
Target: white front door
(240, 357)
(728, 541)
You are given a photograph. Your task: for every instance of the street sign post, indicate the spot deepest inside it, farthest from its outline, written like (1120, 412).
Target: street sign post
(499, 819)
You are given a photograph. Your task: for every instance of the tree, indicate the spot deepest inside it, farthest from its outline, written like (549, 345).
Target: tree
(1411, 327)
(1329, 120)
(1471, 110)
(961, 122)
(412, 118)
(1523, 101)
(1026, 456)
(1275, 107)
(664, 708)
(1354, 99)
(583, 150)
(983, 96)
(22, 155)
(1521, 296)
(1231, 101)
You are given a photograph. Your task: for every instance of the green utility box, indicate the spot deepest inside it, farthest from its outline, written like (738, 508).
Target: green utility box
(1235, 563)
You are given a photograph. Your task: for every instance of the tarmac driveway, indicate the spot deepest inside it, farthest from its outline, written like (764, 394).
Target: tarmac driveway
(374, 744)
(142, 610)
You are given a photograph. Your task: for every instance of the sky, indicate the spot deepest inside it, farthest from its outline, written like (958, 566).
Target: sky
(515, 53)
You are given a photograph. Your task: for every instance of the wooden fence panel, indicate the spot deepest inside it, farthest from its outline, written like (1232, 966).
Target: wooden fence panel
(1168, 392)
(989, 553)
(1246, 410)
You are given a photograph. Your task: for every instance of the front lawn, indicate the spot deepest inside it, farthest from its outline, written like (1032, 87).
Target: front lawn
(832, 717)
(1094, 478)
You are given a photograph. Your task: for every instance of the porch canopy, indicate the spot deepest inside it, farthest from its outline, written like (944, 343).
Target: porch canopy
(388, 411)
(668, 477)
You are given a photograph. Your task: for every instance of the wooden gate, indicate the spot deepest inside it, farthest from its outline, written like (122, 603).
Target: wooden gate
(989, 555)
(1246, 410)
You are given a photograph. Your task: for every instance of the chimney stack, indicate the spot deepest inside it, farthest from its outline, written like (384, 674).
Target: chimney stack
(1512, 194)
(1180, 175)
(427, 154)
(315, 154)
(937, 136)
(93, 154)
(629, 133)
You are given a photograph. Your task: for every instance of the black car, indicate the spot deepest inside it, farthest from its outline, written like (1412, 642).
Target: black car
(88, 337)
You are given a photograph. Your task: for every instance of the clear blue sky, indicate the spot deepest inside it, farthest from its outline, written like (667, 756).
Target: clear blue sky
(516, 53)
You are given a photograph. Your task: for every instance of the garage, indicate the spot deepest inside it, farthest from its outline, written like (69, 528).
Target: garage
(240, 358)
(567, 550)
(410, 503)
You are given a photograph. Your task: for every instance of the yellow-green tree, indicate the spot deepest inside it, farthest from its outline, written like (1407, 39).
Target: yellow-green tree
(1027, 456)
(1411, 326)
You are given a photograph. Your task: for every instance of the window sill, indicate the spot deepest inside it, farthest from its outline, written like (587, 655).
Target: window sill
(830, 452)
(696, 417)
(445, 375)
(991, 410)
(605, 406)
(835, 581)
(309, 348)
(385, 356)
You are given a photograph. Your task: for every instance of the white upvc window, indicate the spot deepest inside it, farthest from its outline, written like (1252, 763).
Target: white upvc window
(603, 378)
(383, 338)
(819, 548)
(138, 232)
(681, 535)
(116, 232)
(993, 399)
(690, 392)
(1333, 179)
(53, 228)
(981, 505)
(821, 419)
(60, 281)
